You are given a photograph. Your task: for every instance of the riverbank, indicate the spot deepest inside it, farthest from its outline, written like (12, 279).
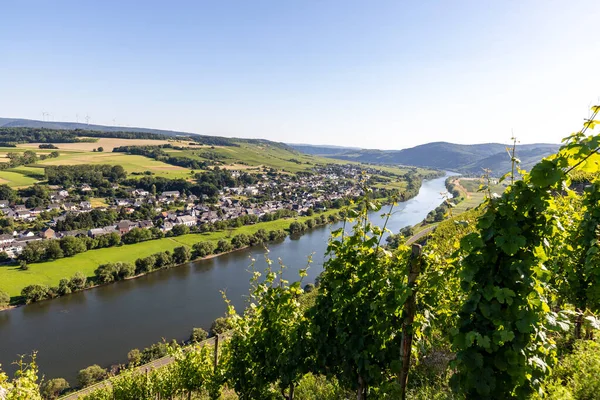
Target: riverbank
(100, 326)
(13, 279)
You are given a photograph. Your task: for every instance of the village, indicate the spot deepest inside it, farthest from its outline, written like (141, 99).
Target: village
(270, 197)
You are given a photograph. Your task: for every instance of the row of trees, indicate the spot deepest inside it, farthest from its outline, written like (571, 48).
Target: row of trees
(25, 158)
(68, 246)
(94, 175)
(37, 292)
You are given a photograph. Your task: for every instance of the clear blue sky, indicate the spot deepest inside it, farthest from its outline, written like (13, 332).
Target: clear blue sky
(375, 74)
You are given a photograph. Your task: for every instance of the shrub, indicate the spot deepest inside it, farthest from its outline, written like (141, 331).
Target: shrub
(181, 254)
(239, 241)
(223, 246)
(317, 387)
(198, 335)
(577, 375)
(134, 357)
(146, 264)
(90, 375)
(4, 298)
(220, 325)
(78, 281)
(33, 293)
(179, 230)
(63, 287)
(54, 387)
(203, 249)
(154, 352)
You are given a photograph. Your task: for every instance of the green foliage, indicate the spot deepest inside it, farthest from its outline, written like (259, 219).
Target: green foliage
(221, 325)
(270, 338)
(577, 374)
(134, 357)
(34, 293)
(181, 254)
(53, 388)
(112, 272)
(198, 335)
(203, 249)
(318, 387)
(223, 246)
(357, 315)
(78, 282)
(4, 299)
(91, 375)
(25, 384)
(179, 230)
(503, 349)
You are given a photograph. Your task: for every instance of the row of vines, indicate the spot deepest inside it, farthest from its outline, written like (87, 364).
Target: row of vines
(492, 307)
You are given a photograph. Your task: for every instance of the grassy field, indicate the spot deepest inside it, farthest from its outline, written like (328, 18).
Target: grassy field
(13, 280)
(249, 156)
(16, 178)
(131, 163)
(107, 143)
(473, 197)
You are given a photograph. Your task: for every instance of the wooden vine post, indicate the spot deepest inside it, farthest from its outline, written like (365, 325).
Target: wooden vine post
(216, 362)
(410, 308)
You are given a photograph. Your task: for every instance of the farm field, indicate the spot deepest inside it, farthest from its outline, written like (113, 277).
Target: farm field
(108, 144)
(249, 156)
(13, 280)
(16, 179)
(473, 198)
(131, 163)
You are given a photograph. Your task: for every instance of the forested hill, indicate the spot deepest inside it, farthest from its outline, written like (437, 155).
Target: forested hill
(27, 130)
(469, 159)
(31, 123)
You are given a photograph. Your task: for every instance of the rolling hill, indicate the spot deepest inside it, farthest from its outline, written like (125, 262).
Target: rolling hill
(467, 159)
(32, 123)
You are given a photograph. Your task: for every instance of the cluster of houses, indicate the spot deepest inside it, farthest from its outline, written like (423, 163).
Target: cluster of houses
(292, 192)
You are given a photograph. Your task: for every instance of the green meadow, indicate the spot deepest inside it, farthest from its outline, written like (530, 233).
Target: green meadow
(13, 280)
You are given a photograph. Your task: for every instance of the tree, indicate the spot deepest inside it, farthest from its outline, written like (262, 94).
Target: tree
(63, 287)
(154, 352)
(220, 325)
(198, 335)
(90, 375)
(34, 293)
(71, 245)
(53, 388)
(179, 230)
(53, 250)
(163, 259)
(181, 254)
(4, 299)
(78, 281)
(223, 246)
(297, 228)
(137, 235)
(203, 249)
(7, 193)
(134, 357)
(100, 148)
(239, 241)
(144, 265)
